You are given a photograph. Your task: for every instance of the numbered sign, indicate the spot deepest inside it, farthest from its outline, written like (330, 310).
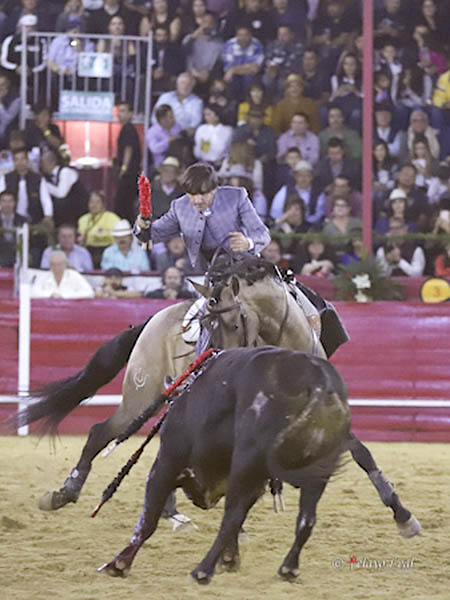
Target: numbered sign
(94, 64)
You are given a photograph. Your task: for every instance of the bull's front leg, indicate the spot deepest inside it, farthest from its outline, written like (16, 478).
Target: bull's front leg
(306, 519)
(160, 482)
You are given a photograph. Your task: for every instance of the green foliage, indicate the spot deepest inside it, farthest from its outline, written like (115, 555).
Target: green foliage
(364, 281)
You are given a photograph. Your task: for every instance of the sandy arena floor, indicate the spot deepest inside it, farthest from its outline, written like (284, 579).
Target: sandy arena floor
(55, 555)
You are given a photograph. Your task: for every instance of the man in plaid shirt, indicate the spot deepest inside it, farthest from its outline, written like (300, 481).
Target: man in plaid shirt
(243, 57)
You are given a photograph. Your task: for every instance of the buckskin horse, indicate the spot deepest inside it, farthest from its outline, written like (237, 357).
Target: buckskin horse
(248, 304)
(251, 415)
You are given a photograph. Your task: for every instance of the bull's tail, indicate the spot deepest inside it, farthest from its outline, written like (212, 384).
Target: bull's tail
(315, 434)
(59, 398)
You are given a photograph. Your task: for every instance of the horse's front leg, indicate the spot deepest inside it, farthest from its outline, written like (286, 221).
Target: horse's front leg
(407, 523)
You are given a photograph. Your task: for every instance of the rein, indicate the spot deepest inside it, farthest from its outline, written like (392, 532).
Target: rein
(235, 306)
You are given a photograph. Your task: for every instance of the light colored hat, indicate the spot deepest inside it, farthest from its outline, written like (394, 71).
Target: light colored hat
(397, 193)
(303, 165)
(170, 161)
(122, 228)
(27, 21)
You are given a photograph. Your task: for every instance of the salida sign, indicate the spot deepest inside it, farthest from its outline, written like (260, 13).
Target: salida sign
(86, 106)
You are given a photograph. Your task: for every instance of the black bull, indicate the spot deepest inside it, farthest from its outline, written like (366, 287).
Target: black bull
(253, 414)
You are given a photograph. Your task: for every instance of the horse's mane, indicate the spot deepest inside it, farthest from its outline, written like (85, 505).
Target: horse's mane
(246, 266)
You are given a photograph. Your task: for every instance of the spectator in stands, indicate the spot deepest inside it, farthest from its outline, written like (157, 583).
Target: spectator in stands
(419, 210)
(389, 63)
(442, 222)
(9, 220)
(78, 258)
(425, 164)
(390, 23)
(316, 258)
(284, 173)
(283, 57)
(294, 14)
(254, 16)
(186, 106)
(11, 52)
(397, 208)
(272, 253)
(432, 18)
(166, 187)
(41, 133)
(355, 250)
(22, 9)
(219, 94)
(238, 177)
(400, 258)
(442, 263)
(299, 136)
(439, 185)
(172, 286)
(243, 56)
(294, 102)
(9, 110)
(257, 98)
(384, 131)
(161, 13)
(99, 20)
(95, 227)
(415, 89)
(161, 133)
(33, 200)
(61, 281)
(384, 169)
(212, 139)
(341, 188)
(69, 196)
(191, 15)
(113, 286)
(125, 253)
(174, 254)
(336, 164)
(335, 29)
(73, 15)
(346, 92)
(203, 50)
(128, 161)
(306, 189)
(382, 88)
(341, 222)
(419, 125)
(292, 221)
(315, 79)
(243, 153)
(168, 61)
(337, 129)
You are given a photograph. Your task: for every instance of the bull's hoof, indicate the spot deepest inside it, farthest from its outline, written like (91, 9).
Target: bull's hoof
(200, 576)
(288, 573)
(409, 529)
(115, 568)
(229, 563)
(56, 499)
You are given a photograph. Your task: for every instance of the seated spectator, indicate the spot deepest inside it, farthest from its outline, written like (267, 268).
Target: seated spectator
(272, 253)
(212, 139)
(299, 136)
(284, 174)
(257, 99)
(388, 62)
(293, 102)
(306, 189)
(203, 50)
(390, 23)
(33, 200)
(16, 10)
(335, 29)
(315, 78)
(9, 220)
(397, 208)
(113, 286)
(384, 131)
(341, 222)
(61, 281)
(431, 16)
(243, 56)
(166, 187)
(415, 89)
(238, 177)
(9, 110)
(174, 254)
(346, 93)
(99, 20)
(78, 258)
(220, 94)
(292, 221)
(341, 188)
(73, 13)
(419, 125)
(398, 258)
(442, 263)
(439, 184)
(243, 153)
(187, 107)
(41, 133)
(95, 227)
(161, 133)
(442, 222)
(253, 15)
(191, 15)
(336, 129)
(382, 88)
(384, 169)
(421, 158)
(162, 13)
(316, 259)
(293, 14)
(69, 196)
(172, 286)
(124, 253)
(355, 251)
(336, 164)
(418, 207)
(283, 57)
(168, 61)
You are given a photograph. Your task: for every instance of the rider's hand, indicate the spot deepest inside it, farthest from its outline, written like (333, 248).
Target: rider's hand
(142, 223)
(238, 242)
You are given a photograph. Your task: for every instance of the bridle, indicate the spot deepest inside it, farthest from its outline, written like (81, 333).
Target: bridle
(213, 315)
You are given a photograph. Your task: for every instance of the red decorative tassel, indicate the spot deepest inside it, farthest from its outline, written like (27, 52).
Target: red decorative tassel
(145, 193)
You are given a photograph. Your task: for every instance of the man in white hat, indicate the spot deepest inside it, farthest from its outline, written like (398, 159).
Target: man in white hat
(125, 254)
(166, 186)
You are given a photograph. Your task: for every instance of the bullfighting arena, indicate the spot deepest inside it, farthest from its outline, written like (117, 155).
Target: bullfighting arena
(55, 555)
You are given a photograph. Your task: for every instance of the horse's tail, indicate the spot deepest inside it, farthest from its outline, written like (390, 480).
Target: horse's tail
(59, 398)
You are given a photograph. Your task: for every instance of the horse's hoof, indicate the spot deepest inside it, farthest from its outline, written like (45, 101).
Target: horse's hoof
(288, 574)
(229, 563)
(114, 569)
(409, 529)
(201, 577)
(56, 499)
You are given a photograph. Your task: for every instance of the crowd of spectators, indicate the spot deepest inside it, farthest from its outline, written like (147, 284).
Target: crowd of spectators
(267, 91)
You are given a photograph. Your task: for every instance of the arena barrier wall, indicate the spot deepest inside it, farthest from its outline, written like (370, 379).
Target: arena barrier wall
(396, 365)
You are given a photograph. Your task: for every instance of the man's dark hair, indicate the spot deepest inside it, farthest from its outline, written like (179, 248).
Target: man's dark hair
(302, 114)
(335, 142)
(199, 178)
(294, 149)
(8, 193)
(126, 103)
(20, 151)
